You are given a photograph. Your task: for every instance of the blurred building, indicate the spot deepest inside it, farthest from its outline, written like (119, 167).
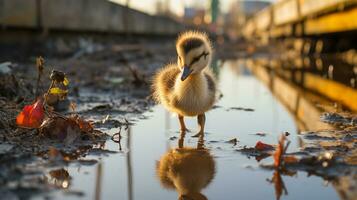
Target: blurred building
(205, 15)
(194, 16)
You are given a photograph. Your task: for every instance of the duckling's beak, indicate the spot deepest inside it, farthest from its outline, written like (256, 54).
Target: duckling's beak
(185, 73)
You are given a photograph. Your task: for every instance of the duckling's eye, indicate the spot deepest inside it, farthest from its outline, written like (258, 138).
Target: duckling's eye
(205, 54)
(195, 60)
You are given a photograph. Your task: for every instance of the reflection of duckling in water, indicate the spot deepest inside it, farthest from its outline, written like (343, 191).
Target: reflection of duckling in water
(187, 170)
(188, 87)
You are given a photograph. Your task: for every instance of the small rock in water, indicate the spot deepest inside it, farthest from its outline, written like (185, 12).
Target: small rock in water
(173, 138)
(5, 68)
(261, 134)
(233, 141)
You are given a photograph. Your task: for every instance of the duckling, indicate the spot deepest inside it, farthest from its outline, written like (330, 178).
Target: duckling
(187, 170)
(188, 87)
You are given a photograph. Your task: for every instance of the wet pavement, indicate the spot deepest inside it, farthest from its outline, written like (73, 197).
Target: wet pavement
(147, 163)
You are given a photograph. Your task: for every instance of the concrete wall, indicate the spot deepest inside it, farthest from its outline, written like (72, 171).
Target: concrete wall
(82, 15)
(18, 13)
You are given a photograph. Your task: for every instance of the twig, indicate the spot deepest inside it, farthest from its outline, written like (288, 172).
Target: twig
(40, 66)
(117, 140)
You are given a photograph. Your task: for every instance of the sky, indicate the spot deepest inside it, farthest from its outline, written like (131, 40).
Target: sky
(176, 6)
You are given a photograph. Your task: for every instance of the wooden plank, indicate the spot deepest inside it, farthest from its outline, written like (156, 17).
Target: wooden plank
(313, 7)
(263, 19)
(281, 31)
(249, 29)
(285, 12)
(332, 23)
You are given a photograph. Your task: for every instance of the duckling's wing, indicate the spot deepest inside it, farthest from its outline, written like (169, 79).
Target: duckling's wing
(163, 83)
(211, 80)
(212, 86)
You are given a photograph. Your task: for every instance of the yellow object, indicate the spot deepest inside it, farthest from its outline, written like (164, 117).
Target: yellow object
(58, 91)
(65, 82)
(337, 22)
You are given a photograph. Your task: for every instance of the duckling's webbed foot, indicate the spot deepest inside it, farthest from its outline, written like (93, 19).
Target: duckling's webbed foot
(201, 119)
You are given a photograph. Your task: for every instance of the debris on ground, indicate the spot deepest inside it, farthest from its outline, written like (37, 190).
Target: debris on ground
(62, 123)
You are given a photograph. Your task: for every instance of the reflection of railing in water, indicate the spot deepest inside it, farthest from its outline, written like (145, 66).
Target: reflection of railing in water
(299, 102)
(327, 77)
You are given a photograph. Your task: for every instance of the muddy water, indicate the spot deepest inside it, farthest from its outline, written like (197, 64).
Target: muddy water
(247, 107)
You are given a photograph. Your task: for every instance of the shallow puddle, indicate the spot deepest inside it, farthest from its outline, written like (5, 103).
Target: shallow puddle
(246, 108)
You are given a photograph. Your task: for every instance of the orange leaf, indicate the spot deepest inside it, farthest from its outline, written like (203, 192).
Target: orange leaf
(85, 126)
(31, 116)
(260, 146)
(279, 152)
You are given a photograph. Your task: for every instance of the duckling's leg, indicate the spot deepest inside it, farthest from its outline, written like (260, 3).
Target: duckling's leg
(201, 119)
(183, 130)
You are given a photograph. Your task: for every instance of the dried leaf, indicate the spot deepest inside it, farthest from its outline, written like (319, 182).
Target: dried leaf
(32, 115)
(40, 62)
(85, 126)
(71, 135)
(55, 127)
(59, 128)
(260, 146)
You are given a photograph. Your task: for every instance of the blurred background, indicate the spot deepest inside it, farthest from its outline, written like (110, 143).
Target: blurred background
(263, 20)
(149, 16)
